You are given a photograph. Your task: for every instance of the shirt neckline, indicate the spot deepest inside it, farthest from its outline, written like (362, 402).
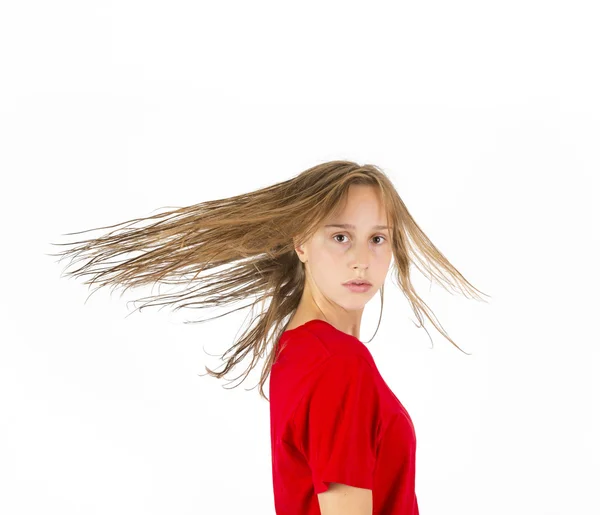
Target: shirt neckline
(287, 332)
(309, 322)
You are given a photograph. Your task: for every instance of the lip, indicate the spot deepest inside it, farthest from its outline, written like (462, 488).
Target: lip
(364, 281)
(358, 288)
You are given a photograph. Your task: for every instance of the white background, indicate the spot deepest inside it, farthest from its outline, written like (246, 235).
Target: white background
(486, 117)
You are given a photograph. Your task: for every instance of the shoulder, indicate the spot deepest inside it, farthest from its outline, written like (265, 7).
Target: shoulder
(323, 338)
(342, 370)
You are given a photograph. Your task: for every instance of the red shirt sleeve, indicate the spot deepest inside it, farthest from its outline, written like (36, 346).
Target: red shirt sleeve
(337, 423)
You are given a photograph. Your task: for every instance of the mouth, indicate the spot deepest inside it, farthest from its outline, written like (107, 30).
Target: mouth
(358, 286)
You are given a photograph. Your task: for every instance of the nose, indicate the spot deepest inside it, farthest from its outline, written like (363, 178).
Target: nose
(361, 257)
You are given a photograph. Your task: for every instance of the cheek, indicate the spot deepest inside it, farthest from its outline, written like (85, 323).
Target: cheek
(330, 246)
(384, 261)
(329, 250)
(327, 265)
(387, 257)
(330, 260)
(380, 265)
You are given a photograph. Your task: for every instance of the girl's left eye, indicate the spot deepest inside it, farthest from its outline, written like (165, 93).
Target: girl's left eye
(336, 235)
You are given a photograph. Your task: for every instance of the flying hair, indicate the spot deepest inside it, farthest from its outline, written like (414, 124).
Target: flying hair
(249, 239)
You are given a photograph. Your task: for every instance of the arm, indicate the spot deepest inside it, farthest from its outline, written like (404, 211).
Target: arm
(342, 499)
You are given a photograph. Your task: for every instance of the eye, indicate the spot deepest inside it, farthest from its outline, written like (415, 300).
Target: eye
(336, 235)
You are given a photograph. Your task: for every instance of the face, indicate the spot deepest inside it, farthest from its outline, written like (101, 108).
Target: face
(337, 254)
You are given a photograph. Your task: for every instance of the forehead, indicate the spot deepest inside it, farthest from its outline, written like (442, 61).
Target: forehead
(353, 227)
(362, 206)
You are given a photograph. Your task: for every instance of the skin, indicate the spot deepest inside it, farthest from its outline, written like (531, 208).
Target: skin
(334, 255)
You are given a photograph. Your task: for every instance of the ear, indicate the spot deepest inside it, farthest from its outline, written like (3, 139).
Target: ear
(300, 250)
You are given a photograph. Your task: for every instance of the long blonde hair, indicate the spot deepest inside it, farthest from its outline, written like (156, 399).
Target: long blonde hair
(254, 233)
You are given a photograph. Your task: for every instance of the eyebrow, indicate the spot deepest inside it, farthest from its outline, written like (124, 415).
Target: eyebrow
(350, 226)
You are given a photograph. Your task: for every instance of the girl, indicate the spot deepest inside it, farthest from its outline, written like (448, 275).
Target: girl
(341, 441)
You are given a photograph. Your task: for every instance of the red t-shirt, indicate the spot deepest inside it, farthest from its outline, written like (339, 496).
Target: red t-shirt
(335, 420)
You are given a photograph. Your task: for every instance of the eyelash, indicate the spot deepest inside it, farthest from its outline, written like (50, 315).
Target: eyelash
(378, 236)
